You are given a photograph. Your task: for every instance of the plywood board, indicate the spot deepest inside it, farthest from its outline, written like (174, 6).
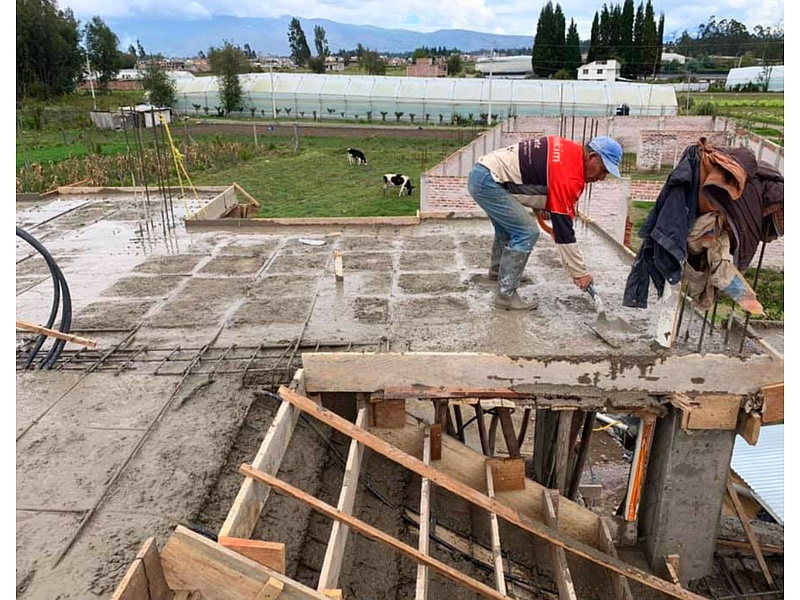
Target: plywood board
(713, 411)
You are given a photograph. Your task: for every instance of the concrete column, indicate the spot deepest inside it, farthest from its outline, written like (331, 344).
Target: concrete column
(684, 491)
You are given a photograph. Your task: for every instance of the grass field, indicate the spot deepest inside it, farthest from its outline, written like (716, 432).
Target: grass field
(760, 112)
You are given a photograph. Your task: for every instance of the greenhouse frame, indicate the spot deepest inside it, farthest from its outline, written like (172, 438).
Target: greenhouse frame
(424, 99)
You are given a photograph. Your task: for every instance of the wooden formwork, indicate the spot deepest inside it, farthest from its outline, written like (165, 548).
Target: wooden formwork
(235, 566)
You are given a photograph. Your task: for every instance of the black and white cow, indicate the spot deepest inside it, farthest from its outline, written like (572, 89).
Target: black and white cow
(397, 180)
(356, 157)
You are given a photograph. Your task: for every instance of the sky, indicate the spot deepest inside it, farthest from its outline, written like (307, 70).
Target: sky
(511, 17)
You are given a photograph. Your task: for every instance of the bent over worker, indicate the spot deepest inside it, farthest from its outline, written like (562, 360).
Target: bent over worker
(553, 166)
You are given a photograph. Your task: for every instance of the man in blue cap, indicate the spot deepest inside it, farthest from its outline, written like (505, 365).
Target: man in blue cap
(546, 173)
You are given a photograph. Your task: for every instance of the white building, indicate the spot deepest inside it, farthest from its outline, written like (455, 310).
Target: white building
(600, 70)
(508, 67)
(668, 57)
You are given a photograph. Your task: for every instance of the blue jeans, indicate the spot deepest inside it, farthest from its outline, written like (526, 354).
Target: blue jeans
(513, 223)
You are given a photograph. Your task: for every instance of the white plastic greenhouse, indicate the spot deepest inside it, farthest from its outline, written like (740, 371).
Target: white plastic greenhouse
(772, 76)
(433, 100)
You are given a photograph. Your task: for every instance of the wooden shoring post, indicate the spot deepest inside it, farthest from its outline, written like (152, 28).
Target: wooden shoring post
(497, 550)
(459, 419)
(424, 519)
(563, 449)
(622, 590)
(371, 532)
(641, 456)
(563, 577)
(334, 553)
(492, 438)
(751, 537)
(463, 490)
(583, 452)
(436, 441)
(442, 415)
(672, 564)
(523, 429)
(482, 435)
(509, 435)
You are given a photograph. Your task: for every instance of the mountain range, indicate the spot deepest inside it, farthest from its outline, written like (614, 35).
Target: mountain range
(186, 38)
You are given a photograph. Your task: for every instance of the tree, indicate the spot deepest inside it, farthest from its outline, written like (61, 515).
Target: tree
(159, 86)
(317, 64)
(102, 48)
(454, 64)
(572, 51)
(547, 55)
(627, 49)
(49, 57)
(298, 45)
(226, 63)
(373, 63)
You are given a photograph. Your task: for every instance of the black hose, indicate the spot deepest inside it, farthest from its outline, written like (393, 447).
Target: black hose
(60, 289)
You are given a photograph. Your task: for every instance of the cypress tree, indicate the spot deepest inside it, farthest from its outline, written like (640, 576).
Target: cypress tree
(572, 50)
(594, 39)
(627, 53)
(638, 42)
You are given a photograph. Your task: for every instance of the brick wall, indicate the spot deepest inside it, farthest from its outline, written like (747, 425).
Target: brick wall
(446, 194)
(606, 203)
(644, 190)
(665, 148)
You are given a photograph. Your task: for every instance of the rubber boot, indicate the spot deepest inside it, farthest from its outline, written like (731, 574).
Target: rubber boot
(512, 265)
(497, 251)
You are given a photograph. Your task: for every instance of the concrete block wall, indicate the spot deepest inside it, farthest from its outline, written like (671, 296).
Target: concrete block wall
(764, 149)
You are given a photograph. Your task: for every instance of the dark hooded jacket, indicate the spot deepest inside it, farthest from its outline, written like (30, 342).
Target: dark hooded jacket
(665, 232)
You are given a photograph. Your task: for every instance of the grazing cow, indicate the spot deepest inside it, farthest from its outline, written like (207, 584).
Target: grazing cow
(356, 156)
(397, 180)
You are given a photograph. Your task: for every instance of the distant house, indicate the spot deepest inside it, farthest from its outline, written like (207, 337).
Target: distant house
(667, 57)
(334, 64)
(600, 70)
(505, 67)
(425, 67)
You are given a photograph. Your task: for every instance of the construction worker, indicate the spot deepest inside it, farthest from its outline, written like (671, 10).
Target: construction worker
(546, 173)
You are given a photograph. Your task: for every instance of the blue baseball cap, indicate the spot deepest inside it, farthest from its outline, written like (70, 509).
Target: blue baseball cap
(610, 151)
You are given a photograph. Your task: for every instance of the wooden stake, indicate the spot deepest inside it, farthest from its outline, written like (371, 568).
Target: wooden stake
(751, 537)
(26, 326)
(497, 550)
(566, 588)
(424, 519)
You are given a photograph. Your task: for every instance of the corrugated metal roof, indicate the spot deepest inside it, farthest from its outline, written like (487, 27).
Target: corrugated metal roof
(761, 467)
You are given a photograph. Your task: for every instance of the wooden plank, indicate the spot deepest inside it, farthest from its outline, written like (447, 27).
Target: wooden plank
(636, 478)
(772, 407)
(436, 441)
(334, 553)
(620, 585)
(371, 532)
(740, 545)
(481, 500)
(249, 502)
(335, 594)
(508, 474)
(424, 519)
(713, 411)
(580, 460)
(497, 550)
(566, 587)
(750, 427)
(68, 337)
(563, 449)
(600, 377)
(672, 564)
(193, 562)
(272, 590)
(388, 413)
(144, 579)
(269, 554)
(748, 530)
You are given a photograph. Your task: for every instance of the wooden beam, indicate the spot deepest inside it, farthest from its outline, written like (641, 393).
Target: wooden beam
(249, 502)
(193, 562)
(272, 590)
(497, 550)
(481, 500)
(740, 545)
(750, 427)
(508, 474)
(371, 532)
(424, 519)
(566, 588)
(563, 450)
(436, 441)
(583, 452)
(622, 590)
(772, 407)
(712, 411)
(334, 553)
(638, 472)
(751, 537)
(388, 413)
(145, 577)
(607, 380)
(269, 554)
(68, 337)
(509, 435)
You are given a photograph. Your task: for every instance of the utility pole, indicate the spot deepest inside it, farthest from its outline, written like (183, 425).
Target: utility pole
(491, 65)
(89, 76)
(272, 90)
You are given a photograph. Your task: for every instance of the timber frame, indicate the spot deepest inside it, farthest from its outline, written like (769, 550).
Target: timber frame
(237, 567)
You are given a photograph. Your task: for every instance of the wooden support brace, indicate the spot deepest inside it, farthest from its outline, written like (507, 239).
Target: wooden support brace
(622, 590)
(751, 537)
(466, 492)
(436, 441)
(509, 435)
(566, 587)
(145, 577)
(334, 552)
(508, 474)
(672, 564)
(497, 551)
(269, 554)
(482, 435)
(424, 519)
(371, 532)
(563, 449)
(750, 427)
(68, 337)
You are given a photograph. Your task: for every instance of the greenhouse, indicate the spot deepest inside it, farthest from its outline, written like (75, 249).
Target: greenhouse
(744, 77)
(422, 100)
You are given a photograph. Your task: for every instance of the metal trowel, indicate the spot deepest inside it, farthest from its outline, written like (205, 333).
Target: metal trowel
(602, 327)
